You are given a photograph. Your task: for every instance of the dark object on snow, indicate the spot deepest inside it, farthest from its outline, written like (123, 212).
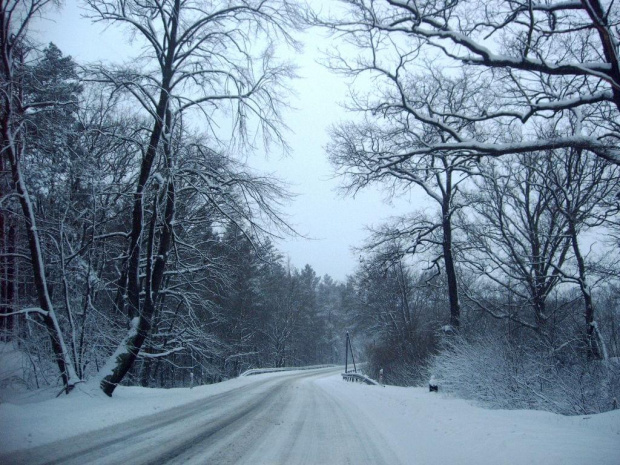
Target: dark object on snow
(433, 387)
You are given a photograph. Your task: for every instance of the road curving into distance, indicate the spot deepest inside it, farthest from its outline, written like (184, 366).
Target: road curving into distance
(288, 419)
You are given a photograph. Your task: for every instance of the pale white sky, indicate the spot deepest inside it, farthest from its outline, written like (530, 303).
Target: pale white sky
(319, 212)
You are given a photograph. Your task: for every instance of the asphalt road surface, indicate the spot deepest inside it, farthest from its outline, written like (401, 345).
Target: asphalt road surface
(280, 420)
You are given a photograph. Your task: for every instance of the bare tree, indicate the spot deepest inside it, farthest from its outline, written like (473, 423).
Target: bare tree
(581, 186)
(201, 58)
(214, 193)
(518, 241)
(530, 216)
(398, 119)
(397, 313)
(15, 17)
(543, 61)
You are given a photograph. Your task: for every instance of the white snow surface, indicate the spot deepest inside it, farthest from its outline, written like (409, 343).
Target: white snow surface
(313, 411)
(88, 409)
(427, 428)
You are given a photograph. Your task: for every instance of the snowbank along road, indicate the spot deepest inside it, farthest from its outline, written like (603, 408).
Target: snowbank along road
(297, 417)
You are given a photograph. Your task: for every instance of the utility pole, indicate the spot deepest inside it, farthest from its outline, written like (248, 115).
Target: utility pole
(347, 346)
(346, 353)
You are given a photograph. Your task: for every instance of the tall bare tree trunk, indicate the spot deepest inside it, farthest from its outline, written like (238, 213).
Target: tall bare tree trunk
(48, 314)
(140, 316)
(11, 115)
(7, 263)
(448, 256)
(595, 345)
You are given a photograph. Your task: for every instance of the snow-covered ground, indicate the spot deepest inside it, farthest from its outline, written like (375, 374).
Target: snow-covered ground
(88, 409)
(426, 428)
(406, 425)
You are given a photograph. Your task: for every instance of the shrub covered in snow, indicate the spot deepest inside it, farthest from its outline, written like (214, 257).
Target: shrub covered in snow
(500, 373)
(403, 362)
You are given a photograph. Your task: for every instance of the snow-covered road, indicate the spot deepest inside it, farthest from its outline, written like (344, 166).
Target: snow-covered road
(283, 419)
(308, 417)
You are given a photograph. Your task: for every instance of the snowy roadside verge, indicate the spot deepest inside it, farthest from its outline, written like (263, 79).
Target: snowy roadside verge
(426, 428)
(38, 423)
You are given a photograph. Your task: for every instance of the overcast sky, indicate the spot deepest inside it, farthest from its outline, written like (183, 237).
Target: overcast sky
(333, 223)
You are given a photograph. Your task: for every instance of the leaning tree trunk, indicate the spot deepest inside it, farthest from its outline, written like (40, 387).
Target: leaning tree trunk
(140, 317)
(129, 282)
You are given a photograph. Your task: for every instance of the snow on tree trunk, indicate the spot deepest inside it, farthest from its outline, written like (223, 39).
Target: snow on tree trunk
(61, 354)
(12, 30)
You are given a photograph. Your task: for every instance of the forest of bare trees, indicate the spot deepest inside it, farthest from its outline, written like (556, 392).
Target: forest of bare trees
(505, 115)
(136, 242)
(136, 245)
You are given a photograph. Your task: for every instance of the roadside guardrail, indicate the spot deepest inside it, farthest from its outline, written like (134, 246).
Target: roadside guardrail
(258, 371)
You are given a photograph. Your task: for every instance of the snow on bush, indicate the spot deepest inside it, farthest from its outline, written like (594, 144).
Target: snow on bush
(28, 365)
(499, 373)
